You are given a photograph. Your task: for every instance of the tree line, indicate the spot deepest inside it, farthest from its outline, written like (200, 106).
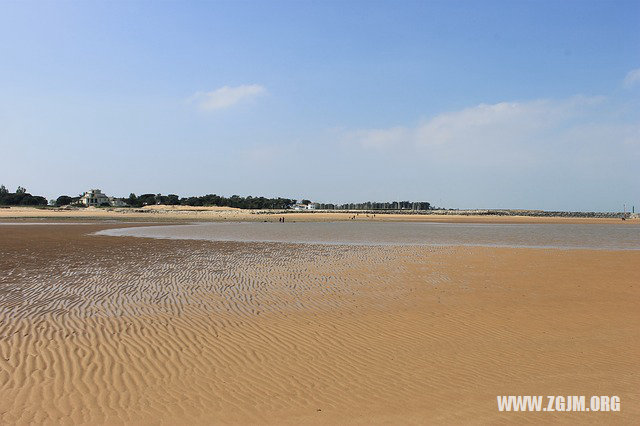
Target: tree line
(373, 205)
(266, 203)
(235, 201)
(20, 198)
(205, 200)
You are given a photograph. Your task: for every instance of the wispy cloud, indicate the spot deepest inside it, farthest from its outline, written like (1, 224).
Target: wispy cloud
(226, 96)
(481, 124)
(505, 132)
(503, 123)
(632, 78)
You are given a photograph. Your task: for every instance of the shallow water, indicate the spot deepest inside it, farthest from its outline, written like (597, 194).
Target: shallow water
(585, 236)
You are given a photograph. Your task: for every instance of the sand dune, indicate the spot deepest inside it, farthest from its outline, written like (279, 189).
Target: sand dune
(104, 330)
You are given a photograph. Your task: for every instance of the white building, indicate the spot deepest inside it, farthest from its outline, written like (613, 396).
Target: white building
(116, 202)
(311, 206)
(95, 197)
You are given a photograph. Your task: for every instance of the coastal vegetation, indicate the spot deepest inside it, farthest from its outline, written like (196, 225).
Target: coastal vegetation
(235, 201)
(372, 205)
(20, 198)
(65, 200)
(262, 203)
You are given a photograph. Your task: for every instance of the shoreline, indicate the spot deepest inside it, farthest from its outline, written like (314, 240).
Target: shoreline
(371, 234)
(218, 214)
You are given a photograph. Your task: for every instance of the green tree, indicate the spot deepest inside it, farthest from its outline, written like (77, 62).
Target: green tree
(63, 200)
(172, 200)
(133, 200)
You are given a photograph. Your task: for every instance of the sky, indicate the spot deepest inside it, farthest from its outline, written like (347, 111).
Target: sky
(479, 104)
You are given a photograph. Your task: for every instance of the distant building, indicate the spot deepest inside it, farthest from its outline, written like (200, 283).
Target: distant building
(95, 197)
(311, 206)
(115, 202)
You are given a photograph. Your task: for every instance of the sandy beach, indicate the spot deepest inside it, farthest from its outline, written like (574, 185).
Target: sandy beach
(219, 214)
(110, 330)
(319, 213)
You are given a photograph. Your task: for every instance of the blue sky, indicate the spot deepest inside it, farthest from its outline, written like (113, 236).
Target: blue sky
(464, 104)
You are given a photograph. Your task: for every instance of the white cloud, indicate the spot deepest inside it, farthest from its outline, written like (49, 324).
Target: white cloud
(504, 123)
(632, 78)
(509, 134)
(226, 96)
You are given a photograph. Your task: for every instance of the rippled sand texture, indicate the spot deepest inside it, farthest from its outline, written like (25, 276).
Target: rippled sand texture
(97, 329)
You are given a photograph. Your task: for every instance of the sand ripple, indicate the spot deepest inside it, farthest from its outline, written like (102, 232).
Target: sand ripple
(123, 330)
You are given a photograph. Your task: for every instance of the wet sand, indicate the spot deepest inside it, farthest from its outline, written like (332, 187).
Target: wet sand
(103, 330)
(539, 235)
